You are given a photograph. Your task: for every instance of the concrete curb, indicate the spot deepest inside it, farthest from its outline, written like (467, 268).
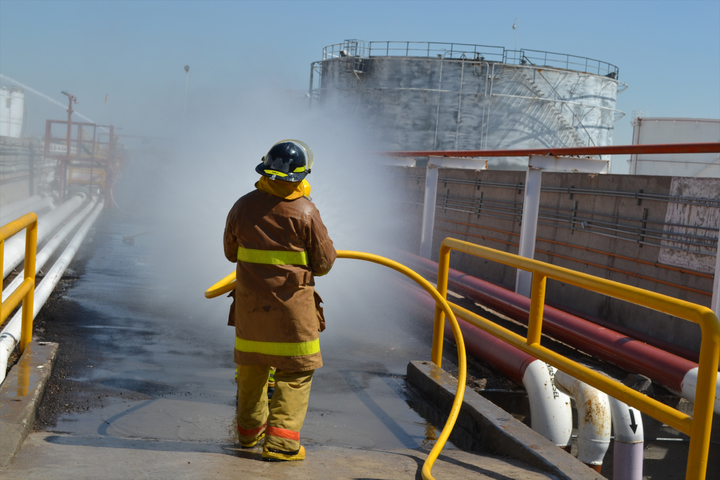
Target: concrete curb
(491, 428)
(20, 396)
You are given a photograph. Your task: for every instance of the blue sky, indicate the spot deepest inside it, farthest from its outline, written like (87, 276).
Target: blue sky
(668, 52)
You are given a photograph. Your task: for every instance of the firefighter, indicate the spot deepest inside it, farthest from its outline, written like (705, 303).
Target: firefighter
(276, 237)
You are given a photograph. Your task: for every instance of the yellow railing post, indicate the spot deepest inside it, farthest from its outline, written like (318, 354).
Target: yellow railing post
(537, 302)
(704, 397)
(26, 290)
(2, 265)
(439, 326)
(28, 303)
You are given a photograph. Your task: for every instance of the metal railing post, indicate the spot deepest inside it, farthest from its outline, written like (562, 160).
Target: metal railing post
(2, 265)
(29, 298)
(439, 323)
(310, 89)
(704, 397)
(537, 302)
(429, 202)
(528, 228)
(715, 302)
(25, 292)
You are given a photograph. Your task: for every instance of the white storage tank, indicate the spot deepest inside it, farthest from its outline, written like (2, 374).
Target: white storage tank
(676, 130)
(12, 112)
(442, 96)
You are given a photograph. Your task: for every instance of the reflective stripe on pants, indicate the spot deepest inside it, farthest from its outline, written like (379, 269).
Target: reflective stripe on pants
(252, 408)
(286, 412)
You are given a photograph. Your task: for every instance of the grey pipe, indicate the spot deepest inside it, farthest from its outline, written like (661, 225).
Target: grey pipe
(11, 334)
(15, 247)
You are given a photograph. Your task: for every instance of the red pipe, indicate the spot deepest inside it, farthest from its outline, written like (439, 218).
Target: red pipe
(683, 352)
(627, 353)
(712, 147)
(507, 359)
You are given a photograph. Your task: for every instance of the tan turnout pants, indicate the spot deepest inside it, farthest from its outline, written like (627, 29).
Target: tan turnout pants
(283, 418)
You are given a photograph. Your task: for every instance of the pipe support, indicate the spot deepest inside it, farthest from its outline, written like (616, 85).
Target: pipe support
(594, 420)
(628, 449)
(550, 410)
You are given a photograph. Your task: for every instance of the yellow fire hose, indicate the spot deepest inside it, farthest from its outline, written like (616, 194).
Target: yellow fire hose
(228, 283)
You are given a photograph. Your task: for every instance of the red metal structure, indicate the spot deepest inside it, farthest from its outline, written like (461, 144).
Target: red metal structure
(87, 154)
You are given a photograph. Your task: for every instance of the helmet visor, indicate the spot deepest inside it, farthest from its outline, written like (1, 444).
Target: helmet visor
(308, 152)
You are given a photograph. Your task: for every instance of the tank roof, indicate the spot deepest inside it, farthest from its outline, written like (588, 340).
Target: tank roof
(463, 51)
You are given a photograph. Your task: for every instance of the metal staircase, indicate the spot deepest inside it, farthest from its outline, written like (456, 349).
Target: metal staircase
(566, 127)
(541, 113)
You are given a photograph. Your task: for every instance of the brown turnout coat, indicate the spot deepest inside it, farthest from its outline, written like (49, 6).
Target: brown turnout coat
(277, 303)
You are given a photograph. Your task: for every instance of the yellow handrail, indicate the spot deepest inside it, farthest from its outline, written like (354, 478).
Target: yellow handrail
(698, 426)
(228, 283)
(26, 290)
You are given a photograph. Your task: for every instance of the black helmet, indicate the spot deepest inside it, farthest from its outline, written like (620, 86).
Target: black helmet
(288, 160)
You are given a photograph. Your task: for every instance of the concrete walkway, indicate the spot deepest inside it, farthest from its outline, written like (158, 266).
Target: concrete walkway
(61, 456)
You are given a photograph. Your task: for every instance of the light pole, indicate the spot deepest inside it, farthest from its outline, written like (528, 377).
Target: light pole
(68, 139)
(187, 69)
(516, 27)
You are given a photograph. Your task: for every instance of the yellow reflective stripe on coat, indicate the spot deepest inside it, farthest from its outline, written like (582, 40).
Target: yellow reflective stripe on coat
(280, 349)
(272, 257)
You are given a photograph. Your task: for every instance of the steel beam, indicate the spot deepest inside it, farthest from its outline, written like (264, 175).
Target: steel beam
(531, 204)
(428, 221)
(430, 199)
(715, 303)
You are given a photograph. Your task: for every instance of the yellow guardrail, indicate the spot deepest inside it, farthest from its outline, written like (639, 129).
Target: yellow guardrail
(228, 283)
(26, 290)
(697, 427)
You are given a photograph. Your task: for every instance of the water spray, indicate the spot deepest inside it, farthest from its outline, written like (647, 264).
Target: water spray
(46, 97)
